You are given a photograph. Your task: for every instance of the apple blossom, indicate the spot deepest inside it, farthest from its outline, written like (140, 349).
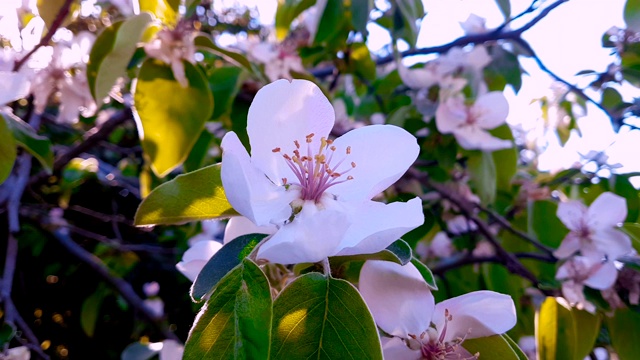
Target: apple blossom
(278, 59)
(16, 353)
(474, 25)
(317, 191)
(402, 306)
(579, 271)
(469, 123)
(593, 230)
(172, 47)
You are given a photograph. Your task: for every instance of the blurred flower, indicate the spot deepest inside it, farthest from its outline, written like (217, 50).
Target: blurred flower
(172, 47)
(579, 271)
(402, 306)
(593, 230)
(316, 191)
(459, 224)
(441, 246)
(528, 346)
(474, 25)
(278, 60)
(17, 353)
(469, 124)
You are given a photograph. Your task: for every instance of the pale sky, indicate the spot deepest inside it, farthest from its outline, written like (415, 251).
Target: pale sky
(567, 40)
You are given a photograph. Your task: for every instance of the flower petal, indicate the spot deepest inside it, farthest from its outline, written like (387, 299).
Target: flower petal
(572, 213)
(569, 246)
(476, 314)
(248, 190)
(490, 110)
(604, 277)
(281, 113)
(13, 86)
(312, 236)
(612, 242)
(194, 259)
(240, 225)
(376, 225)
(451, 114)
(398, 297)
(608, 210)
(381, 154)
(417, 79)
(171, 350)
(395, 349)
(474, 138)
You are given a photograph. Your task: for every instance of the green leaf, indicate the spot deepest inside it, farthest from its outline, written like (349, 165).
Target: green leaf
(7, 151)
(7, 332)
(624, 331)
(620, 184)
(399, 252)
(544, 223)
(505, 160)
(632, 15)
(505, 8)
(521, 355)
(112, 52)
(426, 273)
(587, 327)
(27, 138)
(492, 347)
(360, 10)
(230, 255)
(406, 20)
(555, 331)
(225, 82)
(171, 117)
(91, 309)
(611, 98)
(360, 61)
(482, 169)
(164, 10)
(633, 230)
(204, 42)
(331, 21)
(286, 12)
(235, 323)
(193, 196)
(321, 317)
(199, 152)
(49, 9)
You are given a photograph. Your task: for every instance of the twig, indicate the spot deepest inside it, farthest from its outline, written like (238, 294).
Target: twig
(33, 343)
(57, 22)
(443, 267)
(120, 285)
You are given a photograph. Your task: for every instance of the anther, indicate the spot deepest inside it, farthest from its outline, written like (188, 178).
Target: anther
(349, 177)
(275, 150)
(284, 181)
(296, 143)
(353, 164)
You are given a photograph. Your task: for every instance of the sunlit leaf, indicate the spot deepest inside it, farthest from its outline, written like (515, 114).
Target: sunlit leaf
(7, 151)
(235, 323)
(360, 61)
(194, 196)
(230, 255)
(632, 15)
(49, 9)
(317, 316)
(27, 138)
(112, 52)
(171, 117)
(204, 42)
(286, 12)
(164, 10)
(399, 252)
(555, 331)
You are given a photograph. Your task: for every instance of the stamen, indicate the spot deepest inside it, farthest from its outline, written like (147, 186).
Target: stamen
(284, 181)
(348, 150)
(353, 164)
(275, 150)
(296, 143)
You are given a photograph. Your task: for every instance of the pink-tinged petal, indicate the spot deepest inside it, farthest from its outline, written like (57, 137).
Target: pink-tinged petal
(194, 259)
(490, 110)
(375, 225)
(13, 86)
(476, 314)
(240, 225)
(572, 213)
(612, 242)
(474, 138)
(398, 297)
(451, 114)
(603, 277)
(381, 155)
(569, 246)
(281, 113)
(608, 210)
(395, 349)
(312, 236)
(248, 190)
(171, 350)
(416, 79)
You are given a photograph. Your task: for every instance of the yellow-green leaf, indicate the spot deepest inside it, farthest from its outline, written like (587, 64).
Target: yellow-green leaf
(555, 331)
(492, 347)
(27, 138)
(194, 196)
(7, 151)
(171, 117)
(164, 10)
(112, 52)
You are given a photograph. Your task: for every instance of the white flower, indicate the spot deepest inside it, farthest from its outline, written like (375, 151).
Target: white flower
(460, 224)
(18, 353)
(316, 191)
(172, 47)
(469, 124)
(278, 62)
(579, 271)
(441, 246)
(203, 245)
(402, 305)
(13, 86)
(166, 350)
(593, 230)
(474, 25)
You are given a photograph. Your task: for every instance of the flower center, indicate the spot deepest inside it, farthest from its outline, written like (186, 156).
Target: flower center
(434, 347)
(316, 171)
